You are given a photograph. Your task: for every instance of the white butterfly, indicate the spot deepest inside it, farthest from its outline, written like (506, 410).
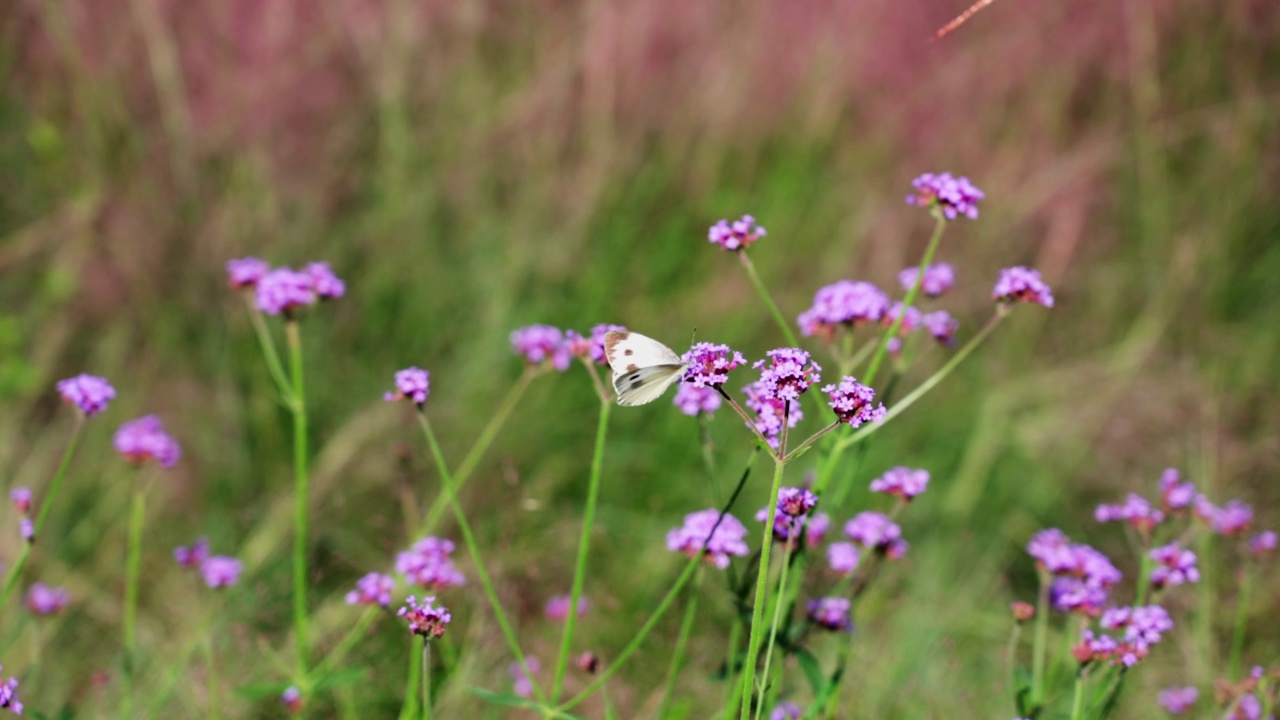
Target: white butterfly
(643, 368)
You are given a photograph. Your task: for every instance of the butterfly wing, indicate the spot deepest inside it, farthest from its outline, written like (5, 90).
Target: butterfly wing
(645, 384)
(643, 368)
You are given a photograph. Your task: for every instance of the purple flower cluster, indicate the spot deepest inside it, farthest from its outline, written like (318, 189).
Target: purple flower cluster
(1083, 577)
(194, 556)
(1175, 494)
(89, 393)
(1177, 700)
(1020, 284)
(428, 564)
(816, 529)
(1234, 518)
(937, 279)
(21, 497)
(221, 571)
(425, 618)
(1177, 566)
(852, 402)
(785, 710)
(27, 529)
(794, 505)
(44, 600)
(736, 235)
(910, 318)
(787, 373)
(709, 364)
(542, 343)
(558, 607)
(902, 482)
(876, 531)
(522, 681)
(846, 303)
(770, 412)
(941, 326)
(832, 613)
(412, 383)
(727, 540)
(843, 557)
(1135, 510)
(694, 401)
(954, 196)
(246, 272)
(1142, 628)
(291, 698)
(372, 589)
(1263, 543)
(9, 695)
(145, 439)
(591, 347)
(283, 291)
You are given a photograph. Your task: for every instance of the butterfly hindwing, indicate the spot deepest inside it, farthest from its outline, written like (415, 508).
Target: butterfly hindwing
(646, 384)
(643, 368)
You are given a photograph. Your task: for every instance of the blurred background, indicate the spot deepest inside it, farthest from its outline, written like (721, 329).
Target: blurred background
(472, 167)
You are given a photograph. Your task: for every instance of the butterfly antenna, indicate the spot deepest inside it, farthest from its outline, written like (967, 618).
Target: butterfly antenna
(694, 340)
(960, 19)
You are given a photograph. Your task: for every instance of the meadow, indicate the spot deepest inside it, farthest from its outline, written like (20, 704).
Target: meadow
(470, 169)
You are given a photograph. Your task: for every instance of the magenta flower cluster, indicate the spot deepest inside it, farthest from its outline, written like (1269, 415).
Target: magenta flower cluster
(413, 384)
(542, 343)
(953, 196)
(792, 513)
(853, 402)
(843, 303)
(144, 440)
(709, 364)
(694, 401)
(1082, 576)
(1174, 493)
(787, 373)
(878, 532)
(522, 683)
(194, 556)
(1135, 510)
(1176, 565)
(283, 291)
(425, 618)
(9, 695)
(771, 412)
(218, 571)
(45, 600)
(937, 279)
(372, 589)
(941, 326)
(1234, 518)
(1020, 284)
(831, 613)
(1177, 700)
(557, 607)
(89, 393)
(902, 482)
(591, 347)
(21, 497)
(428, 563)
(728, 540)
(785, 710)
(736, 235)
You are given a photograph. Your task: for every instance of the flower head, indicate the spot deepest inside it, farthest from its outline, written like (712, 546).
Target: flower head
(902, 482)
(852, 402)
(709, 364)
(558, 607)
(372, 589)
(875, 531)
(910, 318)
(542, 343)
(89, 393)
(412, 383)
(1177, 566)
(1135, 510)
(937, 279)
(291, 698)
(736, 235)
(1020, 284)
(283, 291)
(425, 619)
(246, 272)
(1022, 611)
(44, 600)
(1262, 543)
(428, 564)
(9, 695)
(27, 529)
(145, 439)
(794, 505)
(785, 710)
(220, 571)
(194, 556)
(694, 401)
(591, 347)
(1177, 700)
(953, 196)
(325, 284)
(770, 412)
(843, 557)
(832, 613)
(523, 681)
(1143, 623)
(21, 497)
(727, 540)
(846, 303)
(941, 326)
(816, 529)
(1083, 577)
(1175, 494)
(787, 373)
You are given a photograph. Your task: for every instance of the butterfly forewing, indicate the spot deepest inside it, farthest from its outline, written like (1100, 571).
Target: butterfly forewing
(643, 368)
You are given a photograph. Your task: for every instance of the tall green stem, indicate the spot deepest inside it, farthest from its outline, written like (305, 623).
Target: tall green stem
(268, 348)
(426, 679)
(682, 643)
(1041, 641)
(300, 495)
(779, 601)
(1077, 706)
(1242, 614)
(410, 708)
(940, 224)
(133, 570)
(783, 325)
(584, 543)
(762, 580)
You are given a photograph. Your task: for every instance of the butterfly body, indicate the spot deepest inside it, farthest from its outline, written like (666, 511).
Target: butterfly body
(643, 368)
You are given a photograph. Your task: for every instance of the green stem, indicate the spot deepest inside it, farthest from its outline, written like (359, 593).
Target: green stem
(584, 543)
(426, 679)
(283, 386)
(682, 643)
(409, 710)
(1077, 706)
(46, 504)
(133, 570)
(940, 224)
(762, 577)
(212, 673)
(300, 495)
(1242, 614)
(779, 601)
(1040, 641)
(783, 325)
(735, 634)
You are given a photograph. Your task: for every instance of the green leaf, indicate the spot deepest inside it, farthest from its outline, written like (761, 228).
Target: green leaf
(811, 669)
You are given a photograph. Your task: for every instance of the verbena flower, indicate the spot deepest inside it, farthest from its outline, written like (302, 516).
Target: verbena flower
(1233, 519)
(1135, 510)
(1143, 623)
(843, 557)
(1022, 611)
(937, 279)
(220, 571)
(816, 529)
(428, 564)
(44, 600)
(954, 196)
(1263, 543)
(1177, 566)
(291, 698)
(588, 662)
(1083, 577)
(372, 589)
(694, 401)
(794, 505)
(832, 613)
(542, 343)
(910, 318)
(736, 235)
(1177, 700)
(412, 383)
(246, 272)
(194, 556)
(876, 531)
(770, 412)
(726, 541)
(425, 618)
(89, 393)
(9, 695)
(145, 439)
(21, 497)
(522, 683)
(785, 710)
(902, 482)
(558, 607)
(941, 326)
(1102, 648)
(843, 303)
(787, 373)
(1175, 494)
(1020, 284)
(591, 347)
(325, 284)
(283, 291)
(709, 364)
(1249, 708)
(852, 402)
(27, 529)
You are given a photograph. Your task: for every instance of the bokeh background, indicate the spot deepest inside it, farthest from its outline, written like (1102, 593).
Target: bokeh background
(471, 167)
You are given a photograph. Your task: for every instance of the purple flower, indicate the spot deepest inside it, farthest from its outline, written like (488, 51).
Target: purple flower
(954, 196)
(941, 326)
(523, 682)
(785, 710)
(1069, 593)
(725, 541)
(694, 401)
(44, 600)
(412, 383)
(428, 564)
(283, 291)
(1084, 576)
(736, 235)
(1176, 566)
(787, 373)
(325, 284)
(770, 412)
(843, 557)
(425, 619)
(145, 439)
(194, 556)
(89, 393)
(852, 402)
(1106, 649)
(246, 272)
(291, 698)
(9, 695)
(846, 303)
(1135, 510)
(1263, 543)
(832, 613)
(558, 607)
(27, 529)
(875, 531)
(372, 589)
(542, 343)
(902, 482)
(816, 529)
(937, 279)
(21, 497)
(709, 364)
(1234, 519)
(1175, 494)
(910, 318)
(1177, 700)
(591, 347)
(1249, 708)
(793, 505)
(1020, 284)
(1144, 623)
(220, 571)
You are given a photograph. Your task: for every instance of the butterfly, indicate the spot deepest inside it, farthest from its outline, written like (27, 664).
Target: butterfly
(643, 368)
